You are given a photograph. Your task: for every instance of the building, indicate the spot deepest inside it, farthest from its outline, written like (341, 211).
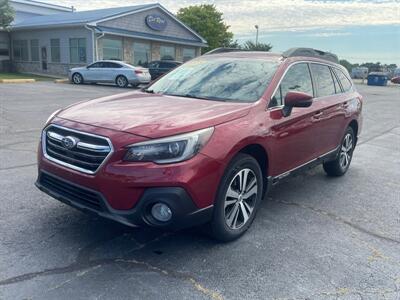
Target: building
(53, 43)
(25, 9)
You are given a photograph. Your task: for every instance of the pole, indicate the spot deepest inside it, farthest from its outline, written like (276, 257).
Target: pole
(256, 26)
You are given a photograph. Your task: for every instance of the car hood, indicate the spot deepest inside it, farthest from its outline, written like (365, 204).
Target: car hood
(153, 115)
(78, 69)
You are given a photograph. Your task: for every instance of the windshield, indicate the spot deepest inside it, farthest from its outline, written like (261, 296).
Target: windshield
(224, 79)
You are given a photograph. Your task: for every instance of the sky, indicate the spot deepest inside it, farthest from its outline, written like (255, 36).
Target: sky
(356, 30)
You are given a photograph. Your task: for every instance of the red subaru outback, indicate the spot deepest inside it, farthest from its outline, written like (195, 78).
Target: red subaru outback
(205, 142)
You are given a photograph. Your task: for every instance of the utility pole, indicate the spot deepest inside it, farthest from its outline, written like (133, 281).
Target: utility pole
(256, 26)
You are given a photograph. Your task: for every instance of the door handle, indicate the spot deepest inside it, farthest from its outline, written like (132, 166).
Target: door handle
(318, 115)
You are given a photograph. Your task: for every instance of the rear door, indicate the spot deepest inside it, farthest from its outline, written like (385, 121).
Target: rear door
(293, 136)
(110, 71)
(330, 117)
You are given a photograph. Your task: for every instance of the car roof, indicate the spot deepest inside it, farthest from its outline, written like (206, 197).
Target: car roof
(115, 61)
(166, 60)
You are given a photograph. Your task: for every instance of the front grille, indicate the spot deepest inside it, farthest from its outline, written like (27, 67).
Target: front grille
(71, 192)
(78, 150)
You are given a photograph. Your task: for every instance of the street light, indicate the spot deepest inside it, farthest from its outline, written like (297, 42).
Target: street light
(256, 26)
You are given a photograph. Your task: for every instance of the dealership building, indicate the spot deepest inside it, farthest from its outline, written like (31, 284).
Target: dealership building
(51, 39)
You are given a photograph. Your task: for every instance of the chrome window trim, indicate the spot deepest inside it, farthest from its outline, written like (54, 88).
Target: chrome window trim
(307, 62)
(73, 167)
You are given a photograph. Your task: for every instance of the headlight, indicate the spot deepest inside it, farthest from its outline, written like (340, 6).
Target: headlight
(52, 116)
(171, 149)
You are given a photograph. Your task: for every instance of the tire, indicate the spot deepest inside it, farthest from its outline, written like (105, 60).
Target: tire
(77, 78)
(233, 213)
(121, 81)
(341, 164)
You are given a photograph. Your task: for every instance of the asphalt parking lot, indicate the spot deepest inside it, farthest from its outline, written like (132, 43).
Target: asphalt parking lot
(314, 237)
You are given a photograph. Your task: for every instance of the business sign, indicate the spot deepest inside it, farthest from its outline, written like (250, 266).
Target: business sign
(156, 22)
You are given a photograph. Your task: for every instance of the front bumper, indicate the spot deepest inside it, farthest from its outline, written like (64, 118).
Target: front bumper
(184, 212)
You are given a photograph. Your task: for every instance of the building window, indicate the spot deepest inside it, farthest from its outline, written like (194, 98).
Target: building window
(188, 54)
(77, 50)
(141, 54)
(55, 50)
(167, 52)
(112, 49)
(20, 50)
(34, 50)
(4, 48)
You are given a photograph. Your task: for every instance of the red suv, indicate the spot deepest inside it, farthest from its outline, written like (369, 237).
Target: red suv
(203, 143)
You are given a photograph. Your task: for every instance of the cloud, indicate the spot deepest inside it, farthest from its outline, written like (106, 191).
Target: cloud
(279, 15)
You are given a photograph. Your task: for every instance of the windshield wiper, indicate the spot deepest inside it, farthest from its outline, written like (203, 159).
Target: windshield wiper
(198, 97)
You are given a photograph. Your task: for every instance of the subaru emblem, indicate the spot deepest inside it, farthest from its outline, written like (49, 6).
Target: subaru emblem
(69, 142)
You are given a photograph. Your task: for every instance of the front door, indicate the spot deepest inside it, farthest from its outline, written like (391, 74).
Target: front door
(293, 136)
(44, 58)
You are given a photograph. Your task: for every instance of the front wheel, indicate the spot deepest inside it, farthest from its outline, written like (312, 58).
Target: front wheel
(238, 198)
(341, 164)
(77, 78)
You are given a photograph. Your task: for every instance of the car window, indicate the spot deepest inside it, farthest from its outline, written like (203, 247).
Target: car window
(219, 79)
(344, 80)
(167, 65)
(338, 89)
(112, 65)
(323, 80)
(153, 65)
(96, 65)
(297, 78)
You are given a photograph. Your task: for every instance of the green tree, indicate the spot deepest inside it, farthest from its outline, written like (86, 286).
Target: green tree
(7, 14)
(346, 64)
(207, 21)
(251, 46)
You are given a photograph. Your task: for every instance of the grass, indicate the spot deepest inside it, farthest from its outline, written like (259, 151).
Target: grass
(24, 76)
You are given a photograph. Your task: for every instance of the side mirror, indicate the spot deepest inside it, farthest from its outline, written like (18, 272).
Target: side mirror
(296, 99)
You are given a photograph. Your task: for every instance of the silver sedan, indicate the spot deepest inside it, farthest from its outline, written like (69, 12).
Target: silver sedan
(110, 71)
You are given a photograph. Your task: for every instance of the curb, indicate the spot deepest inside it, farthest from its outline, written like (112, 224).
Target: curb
(17, 80)
(64, 80)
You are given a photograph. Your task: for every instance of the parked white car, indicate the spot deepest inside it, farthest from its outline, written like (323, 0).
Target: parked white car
(110, 71)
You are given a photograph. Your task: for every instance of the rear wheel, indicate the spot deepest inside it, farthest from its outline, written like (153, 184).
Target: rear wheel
(77, 78)
(121, 81)
(238, 198)
(341, 164)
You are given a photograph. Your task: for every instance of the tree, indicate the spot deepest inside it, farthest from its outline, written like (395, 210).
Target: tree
(251, 46)
(346, 64)
(6, 14)
(207, 21)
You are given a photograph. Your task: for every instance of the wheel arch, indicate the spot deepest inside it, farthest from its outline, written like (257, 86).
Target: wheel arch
(354, 125)
(260, 155)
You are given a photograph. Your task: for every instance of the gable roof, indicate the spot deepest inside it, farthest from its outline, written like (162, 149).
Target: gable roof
(92, 17)
(77, 18)
(43, 4)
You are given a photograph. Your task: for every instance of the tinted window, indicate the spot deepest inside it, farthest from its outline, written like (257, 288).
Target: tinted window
(344, 80)
(218, 78)
(297, 78)
(323, 80)
(111, 65)
(167, 65)
(153, 65)
(96, 65)
(338, 89)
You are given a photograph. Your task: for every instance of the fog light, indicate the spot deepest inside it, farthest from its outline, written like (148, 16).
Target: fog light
(161, 212)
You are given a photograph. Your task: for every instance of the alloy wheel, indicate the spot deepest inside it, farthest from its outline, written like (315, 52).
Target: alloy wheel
(240, 198)
(77, 79)
(121, 81)
(346, 151)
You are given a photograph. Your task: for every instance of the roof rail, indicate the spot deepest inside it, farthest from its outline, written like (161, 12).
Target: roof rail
(222, 50)
(310, 52)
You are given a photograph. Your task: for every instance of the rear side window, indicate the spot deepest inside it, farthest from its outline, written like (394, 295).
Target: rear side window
(112, 65)
(297, 78)
(344, 80)
(323, 80)
(338, 89)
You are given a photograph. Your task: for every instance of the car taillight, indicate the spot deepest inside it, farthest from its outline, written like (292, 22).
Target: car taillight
(138, 71)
